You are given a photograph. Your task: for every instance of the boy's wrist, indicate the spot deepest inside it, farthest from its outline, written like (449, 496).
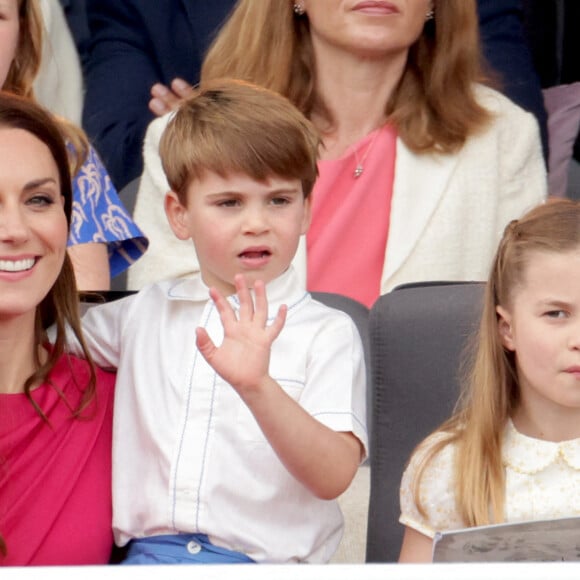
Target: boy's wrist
(255, 396)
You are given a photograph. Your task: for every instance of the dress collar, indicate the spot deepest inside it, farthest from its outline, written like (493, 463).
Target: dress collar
(529, 455)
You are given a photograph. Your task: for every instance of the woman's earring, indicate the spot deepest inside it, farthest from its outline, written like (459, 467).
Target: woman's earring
(298, 9)
(429, 15)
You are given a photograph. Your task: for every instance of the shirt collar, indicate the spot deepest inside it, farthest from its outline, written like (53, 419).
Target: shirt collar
(285, 289)
(528, 455)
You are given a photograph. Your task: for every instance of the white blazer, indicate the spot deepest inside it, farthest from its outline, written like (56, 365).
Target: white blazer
(447, 211)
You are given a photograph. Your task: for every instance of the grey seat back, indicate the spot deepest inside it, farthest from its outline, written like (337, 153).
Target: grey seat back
(418, 335)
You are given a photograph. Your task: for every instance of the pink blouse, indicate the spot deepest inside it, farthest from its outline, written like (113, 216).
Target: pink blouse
(55, 478)
(347, 239)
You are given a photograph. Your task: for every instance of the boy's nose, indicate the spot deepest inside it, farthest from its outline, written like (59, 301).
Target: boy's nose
(255, 221)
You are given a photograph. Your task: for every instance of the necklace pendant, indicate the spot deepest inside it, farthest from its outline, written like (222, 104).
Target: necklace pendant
(358, 170)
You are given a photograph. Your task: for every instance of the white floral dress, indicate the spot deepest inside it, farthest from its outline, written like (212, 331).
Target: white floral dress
(542, 482)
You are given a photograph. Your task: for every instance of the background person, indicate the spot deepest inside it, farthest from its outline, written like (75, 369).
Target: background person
(406, 129)
(104, 240)
(135, 44)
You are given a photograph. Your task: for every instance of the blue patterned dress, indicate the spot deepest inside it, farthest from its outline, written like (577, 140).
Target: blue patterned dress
(100, 216)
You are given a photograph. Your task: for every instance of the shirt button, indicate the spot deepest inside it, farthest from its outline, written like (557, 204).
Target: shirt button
(193, 547)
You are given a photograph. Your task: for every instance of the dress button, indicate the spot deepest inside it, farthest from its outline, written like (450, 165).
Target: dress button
(193, 547)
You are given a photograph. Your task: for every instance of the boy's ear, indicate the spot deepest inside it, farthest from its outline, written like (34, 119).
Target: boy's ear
(307, 217)
(177, 216)
(504, 327)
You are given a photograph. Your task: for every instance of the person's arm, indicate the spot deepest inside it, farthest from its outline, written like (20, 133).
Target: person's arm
(103, 327)
(416, 548)
(104, 239)
(120, 70)
(134, 45)
(523, 182)
(91, 265)
(323, 460)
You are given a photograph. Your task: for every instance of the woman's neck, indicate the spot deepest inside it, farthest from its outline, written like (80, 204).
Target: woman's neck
(355, 92)
(18, 354)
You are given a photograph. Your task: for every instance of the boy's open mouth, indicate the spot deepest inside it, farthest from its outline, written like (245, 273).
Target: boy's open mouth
(254, 254)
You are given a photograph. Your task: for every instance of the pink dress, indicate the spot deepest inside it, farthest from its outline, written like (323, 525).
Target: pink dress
(347, 239)
(55, 478)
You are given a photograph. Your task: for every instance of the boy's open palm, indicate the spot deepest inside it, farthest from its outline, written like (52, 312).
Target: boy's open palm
(243, 358)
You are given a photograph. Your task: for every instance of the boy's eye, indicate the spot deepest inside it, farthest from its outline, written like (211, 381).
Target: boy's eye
(280, 201)
(228, 203)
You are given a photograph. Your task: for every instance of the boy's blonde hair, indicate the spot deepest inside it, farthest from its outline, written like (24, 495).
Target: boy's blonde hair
(491, 392)
(231, 126)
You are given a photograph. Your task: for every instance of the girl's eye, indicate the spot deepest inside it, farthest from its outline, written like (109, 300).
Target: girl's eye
(556, 314)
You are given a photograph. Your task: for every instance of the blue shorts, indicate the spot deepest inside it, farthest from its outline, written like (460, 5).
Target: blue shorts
(181, 549)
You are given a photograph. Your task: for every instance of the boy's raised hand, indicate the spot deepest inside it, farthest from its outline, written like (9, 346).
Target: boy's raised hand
(243, 358)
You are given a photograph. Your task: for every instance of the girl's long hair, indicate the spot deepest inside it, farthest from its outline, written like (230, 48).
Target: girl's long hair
(434, 108)
(491, 392)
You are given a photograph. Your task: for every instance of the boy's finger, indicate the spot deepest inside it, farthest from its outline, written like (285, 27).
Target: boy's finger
(226, 312)
(261, 307)
(204, 344)
(245, 298)
(276, 327)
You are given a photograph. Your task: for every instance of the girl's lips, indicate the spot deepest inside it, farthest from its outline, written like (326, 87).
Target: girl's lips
(376, 7)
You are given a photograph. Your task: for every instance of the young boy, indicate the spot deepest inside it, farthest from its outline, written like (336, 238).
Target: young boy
(237, 418)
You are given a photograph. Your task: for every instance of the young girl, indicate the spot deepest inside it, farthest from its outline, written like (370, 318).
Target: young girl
(512, 450)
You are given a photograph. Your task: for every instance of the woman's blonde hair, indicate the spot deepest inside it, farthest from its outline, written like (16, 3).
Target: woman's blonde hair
(491, 392)
(25, 67)
(434, 108)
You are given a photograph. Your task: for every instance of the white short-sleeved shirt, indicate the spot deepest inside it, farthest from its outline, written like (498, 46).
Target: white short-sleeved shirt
(188, 455)
(542, 482)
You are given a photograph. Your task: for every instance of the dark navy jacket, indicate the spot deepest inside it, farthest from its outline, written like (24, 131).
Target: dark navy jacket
(134, 44)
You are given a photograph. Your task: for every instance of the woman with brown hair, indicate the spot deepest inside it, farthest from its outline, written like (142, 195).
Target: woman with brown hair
(55, 409)
(421, 164)
(104, 240)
